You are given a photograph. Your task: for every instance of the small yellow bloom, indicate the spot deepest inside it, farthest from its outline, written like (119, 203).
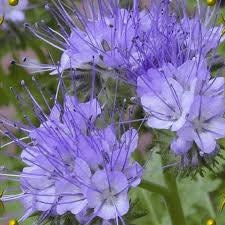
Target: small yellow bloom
(13, 222)
(211, 2)
(210, 222)
(13, 2)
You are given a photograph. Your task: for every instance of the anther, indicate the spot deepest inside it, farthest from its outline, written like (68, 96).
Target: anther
(22, 82)
(47, 7)
(26, 25)
(13, 2)
(13, 222)
(211, 2)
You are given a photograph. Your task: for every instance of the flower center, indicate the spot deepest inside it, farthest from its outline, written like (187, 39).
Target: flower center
(108, 195)
(198, 124)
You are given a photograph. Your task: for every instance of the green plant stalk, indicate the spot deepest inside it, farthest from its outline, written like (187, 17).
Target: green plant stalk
(173, 201)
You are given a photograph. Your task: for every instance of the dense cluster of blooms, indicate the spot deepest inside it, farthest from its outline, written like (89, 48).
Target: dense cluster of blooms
(72, 165)
(176, 94)
(164, 54)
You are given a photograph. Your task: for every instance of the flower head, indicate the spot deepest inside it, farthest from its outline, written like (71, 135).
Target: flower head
(176, 93)
(114, 37)
(74, 166)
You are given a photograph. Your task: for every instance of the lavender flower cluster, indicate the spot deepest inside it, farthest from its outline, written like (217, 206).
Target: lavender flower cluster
(165, 54)
(72, 164)
(74, 167)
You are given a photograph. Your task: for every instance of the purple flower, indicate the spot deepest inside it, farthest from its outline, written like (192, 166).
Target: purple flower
(113, 37)
(168, 94)
(71, 194)
(104, 37)
(108, 195)
(199, 37)
(204, 124)
(127, 39)
(67, 158)
(178, 98)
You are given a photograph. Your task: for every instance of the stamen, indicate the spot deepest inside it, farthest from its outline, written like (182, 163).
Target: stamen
(12, 142)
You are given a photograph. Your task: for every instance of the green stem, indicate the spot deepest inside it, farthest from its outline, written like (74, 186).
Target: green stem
(173, 201)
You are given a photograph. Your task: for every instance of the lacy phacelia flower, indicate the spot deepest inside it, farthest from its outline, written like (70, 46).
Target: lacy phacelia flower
(168, 94)
(106, 34)
(109, 35)
(73, 166)
(205, 123)
(101, 33)
(200, 38)
(175, 87)
(14, 13)
(186, 100)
